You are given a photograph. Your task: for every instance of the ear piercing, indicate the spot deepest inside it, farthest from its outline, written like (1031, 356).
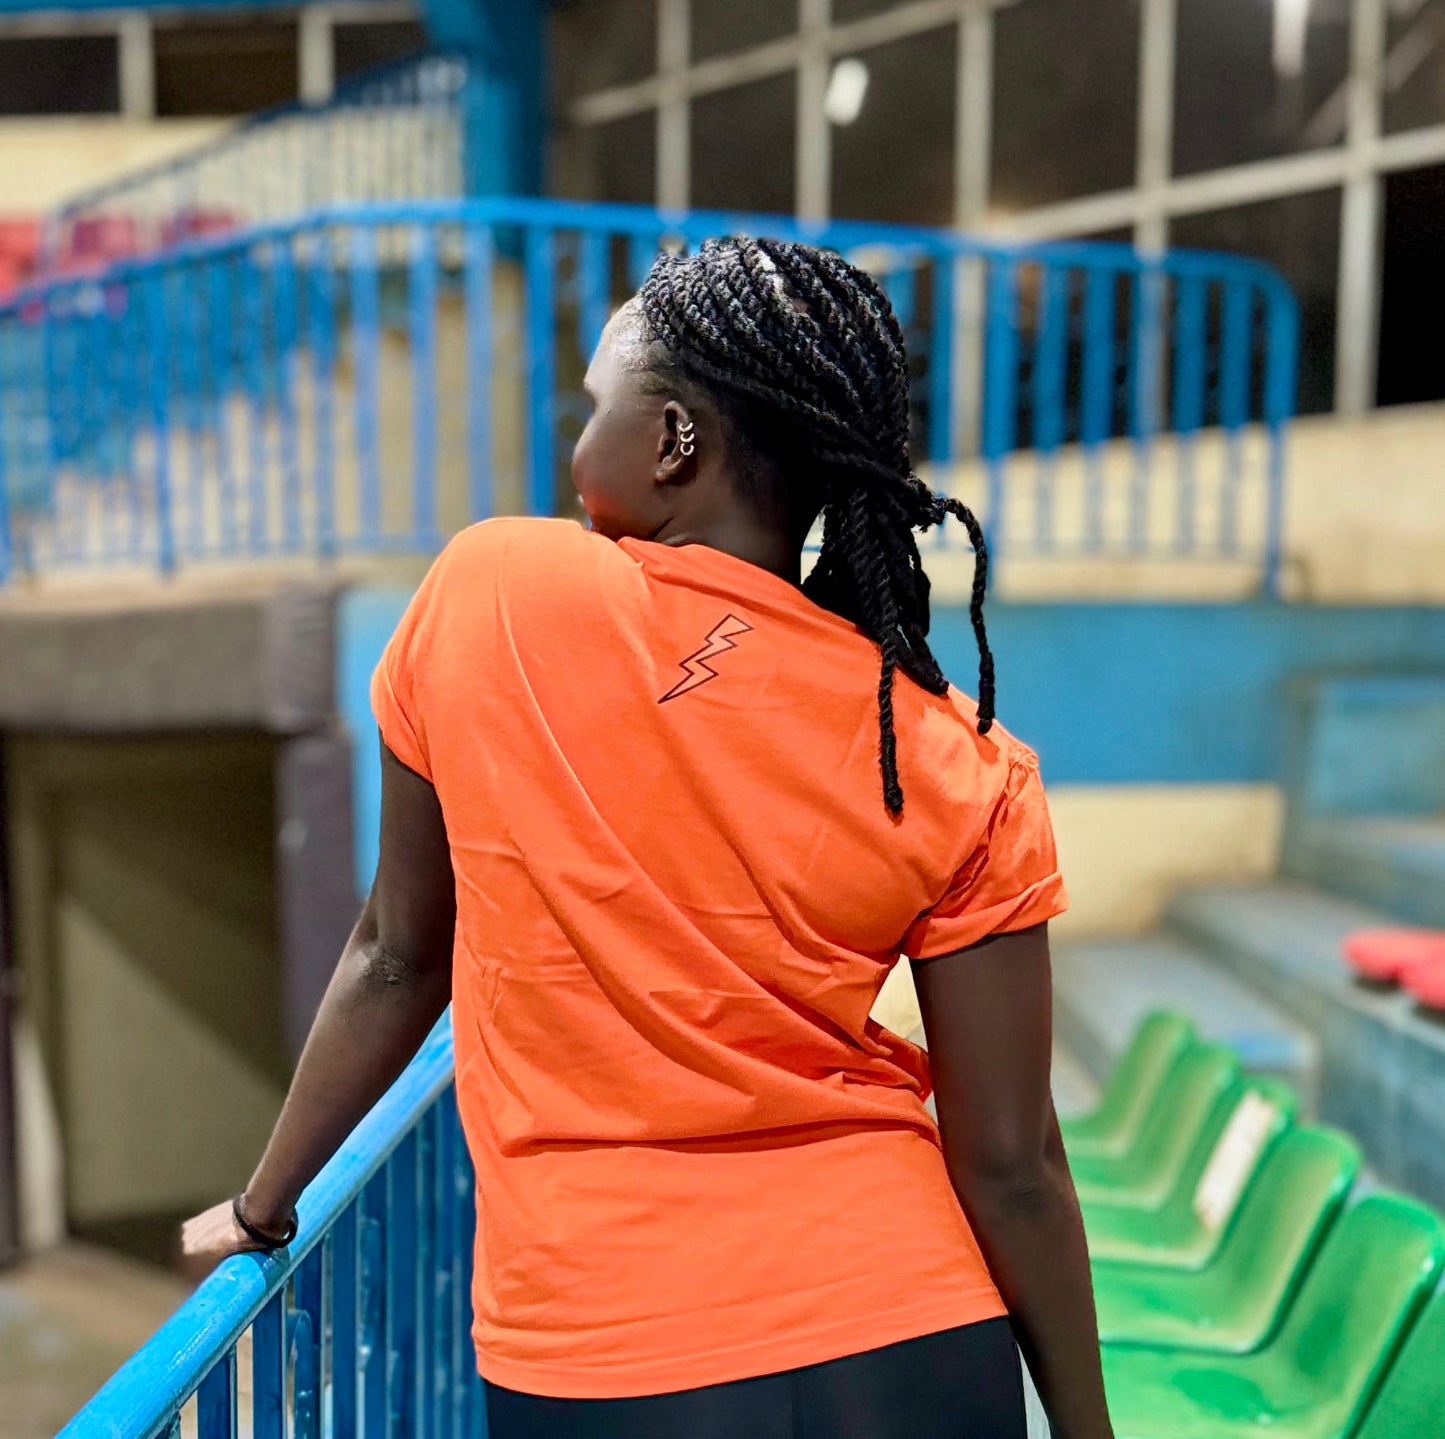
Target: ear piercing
(685, 443)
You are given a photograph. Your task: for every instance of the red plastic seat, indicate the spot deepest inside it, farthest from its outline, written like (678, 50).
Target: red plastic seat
(1384, 955)
(1426, 983)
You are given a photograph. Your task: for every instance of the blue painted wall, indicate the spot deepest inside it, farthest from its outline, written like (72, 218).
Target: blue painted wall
(1126, 693)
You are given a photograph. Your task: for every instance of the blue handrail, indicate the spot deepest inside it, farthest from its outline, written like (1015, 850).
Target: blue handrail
(371, 378)
(367, 1312)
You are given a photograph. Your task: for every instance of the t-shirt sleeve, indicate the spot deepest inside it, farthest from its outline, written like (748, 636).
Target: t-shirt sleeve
(1011, 881)
(398, 684)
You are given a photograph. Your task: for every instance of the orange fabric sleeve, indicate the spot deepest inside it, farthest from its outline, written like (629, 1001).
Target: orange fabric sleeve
(397, 682)
(1011, 880)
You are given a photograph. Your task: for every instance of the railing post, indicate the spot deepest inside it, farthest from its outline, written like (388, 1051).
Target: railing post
(1000, 396)
(158, 368)
(1281, 360)
(541, 371)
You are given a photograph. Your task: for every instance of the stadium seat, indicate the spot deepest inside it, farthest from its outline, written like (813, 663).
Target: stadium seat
(1190, 1112)
(1234, 1304)
(1112, 1126)
(1412, 1398)
(1383, 955)
(1316, 1377)
(1186, 1230)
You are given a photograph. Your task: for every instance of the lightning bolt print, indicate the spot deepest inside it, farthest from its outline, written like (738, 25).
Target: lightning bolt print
(696, 668)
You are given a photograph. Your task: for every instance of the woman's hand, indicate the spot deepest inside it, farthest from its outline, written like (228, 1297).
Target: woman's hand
(211, 1237)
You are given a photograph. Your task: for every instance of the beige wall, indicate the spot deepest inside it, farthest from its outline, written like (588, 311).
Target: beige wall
(44, 162)
(150, 1061)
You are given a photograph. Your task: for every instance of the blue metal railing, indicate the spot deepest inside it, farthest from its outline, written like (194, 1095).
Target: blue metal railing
(394, 133)
(372, 379)
(360, 1327)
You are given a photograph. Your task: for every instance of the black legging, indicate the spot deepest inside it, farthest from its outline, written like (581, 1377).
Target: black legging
(963, 1383)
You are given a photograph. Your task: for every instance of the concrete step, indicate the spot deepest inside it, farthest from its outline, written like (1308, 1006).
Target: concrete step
(1103, 988)
(1394, 864)
(1382, 1059)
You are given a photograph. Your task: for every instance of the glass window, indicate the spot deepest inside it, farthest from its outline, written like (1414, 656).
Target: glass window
(893, 159)
(743, 146)
(1300, 236)
(722, 29)
(1415, 67)
(358, 47)
(1412, 308)
(616, 161)
(596, 43)
(215, 68)
(1066, 95)
(1252, 83)
(60, 75)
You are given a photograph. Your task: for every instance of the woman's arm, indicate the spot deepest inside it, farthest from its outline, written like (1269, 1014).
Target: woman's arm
(987, 1013)
(390, 988)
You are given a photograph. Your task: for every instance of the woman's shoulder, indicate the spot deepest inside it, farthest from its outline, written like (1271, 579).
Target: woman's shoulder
(947, 731)
(522, 548)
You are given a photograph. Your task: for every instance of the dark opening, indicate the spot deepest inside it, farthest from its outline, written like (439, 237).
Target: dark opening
(364, 46)
(60, 75)
(221, 69)
(1412, 301)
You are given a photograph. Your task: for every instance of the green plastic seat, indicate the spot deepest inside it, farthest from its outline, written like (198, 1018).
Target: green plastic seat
(1235, 1304)
(1412, 1399)
(1190, 1111)
(1316, 1377)
(1113, 1124)
(1186, 1230)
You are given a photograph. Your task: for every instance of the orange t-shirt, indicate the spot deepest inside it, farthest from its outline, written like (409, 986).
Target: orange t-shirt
(678, 894)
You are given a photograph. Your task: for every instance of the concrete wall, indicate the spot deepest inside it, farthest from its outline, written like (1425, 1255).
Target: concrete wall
(43, 162)
(152, 1059)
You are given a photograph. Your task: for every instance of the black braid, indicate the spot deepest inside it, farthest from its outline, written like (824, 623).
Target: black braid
(805, 359)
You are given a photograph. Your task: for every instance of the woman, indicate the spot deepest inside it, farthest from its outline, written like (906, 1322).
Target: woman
(658, 818)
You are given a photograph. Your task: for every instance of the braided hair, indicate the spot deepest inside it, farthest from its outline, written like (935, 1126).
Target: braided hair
(804, 359)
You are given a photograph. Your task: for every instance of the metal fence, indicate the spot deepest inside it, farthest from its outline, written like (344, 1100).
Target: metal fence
(360, 1328)
(372, 379)
(394, 133)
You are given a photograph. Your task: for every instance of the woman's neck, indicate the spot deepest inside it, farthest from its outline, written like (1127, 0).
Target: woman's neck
(741, 536)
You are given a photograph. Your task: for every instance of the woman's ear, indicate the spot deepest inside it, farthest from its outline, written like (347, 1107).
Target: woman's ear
(676, 445)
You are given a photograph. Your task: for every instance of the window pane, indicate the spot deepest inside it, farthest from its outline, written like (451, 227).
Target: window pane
(70, 75)
(1412, 312)
(895, 160)
(743, 143)
(1247, 89)
(1066, 88)
(1300, 236)
(220, 69)
(616, 161)
(362, 47)
(722, 29)
(596, 43)
(1415, 70)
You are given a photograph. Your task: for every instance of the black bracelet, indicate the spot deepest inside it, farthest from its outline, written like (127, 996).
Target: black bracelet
(266, 1241)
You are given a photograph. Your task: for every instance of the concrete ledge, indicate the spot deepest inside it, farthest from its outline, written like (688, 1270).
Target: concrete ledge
(1102, 990)
(1382, 1060)
(255, 654)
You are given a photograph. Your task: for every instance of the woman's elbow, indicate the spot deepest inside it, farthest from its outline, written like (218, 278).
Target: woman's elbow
(1014, 1177)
